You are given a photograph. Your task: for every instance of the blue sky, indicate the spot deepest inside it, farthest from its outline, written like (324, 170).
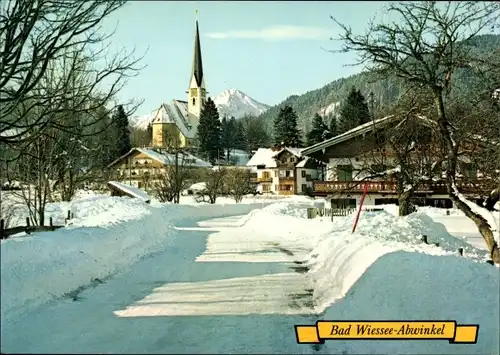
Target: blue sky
(269, 49)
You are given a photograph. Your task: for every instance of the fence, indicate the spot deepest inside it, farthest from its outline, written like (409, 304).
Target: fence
(28, 228)
(335, 212)
(328, 212)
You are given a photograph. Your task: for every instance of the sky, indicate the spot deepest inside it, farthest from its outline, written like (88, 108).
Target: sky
(267, 49)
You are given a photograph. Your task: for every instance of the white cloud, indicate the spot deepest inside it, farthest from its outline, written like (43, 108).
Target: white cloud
(276, 33)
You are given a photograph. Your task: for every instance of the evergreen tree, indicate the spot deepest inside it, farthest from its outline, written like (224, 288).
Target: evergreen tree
(228, 128)
(255, 132)
(333, 127)
(354, 111)
(122, 132)
(209, 132)
(286, 131)
(239, 139)
(318, 132)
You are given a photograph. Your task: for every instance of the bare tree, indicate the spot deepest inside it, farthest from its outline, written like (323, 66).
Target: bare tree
(214, 185)
(426, 48)
(36, 35)
(238, 183)
(178, 174)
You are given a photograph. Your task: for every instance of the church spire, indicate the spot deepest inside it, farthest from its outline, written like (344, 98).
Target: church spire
(197, 71)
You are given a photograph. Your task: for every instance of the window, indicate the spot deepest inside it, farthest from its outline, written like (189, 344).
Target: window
(276, 187)
(304, 187)
(266, 188)
(276, 173)
(194, 101)
(303, 173)
(265, 175)
(344, 172)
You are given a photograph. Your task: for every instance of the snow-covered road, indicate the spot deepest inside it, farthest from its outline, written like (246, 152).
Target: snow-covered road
(168, 303)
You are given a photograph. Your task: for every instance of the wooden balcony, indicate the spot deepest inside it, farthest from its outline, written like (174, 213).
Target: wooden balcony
(288, 179)
(265, 179)
(323, 188)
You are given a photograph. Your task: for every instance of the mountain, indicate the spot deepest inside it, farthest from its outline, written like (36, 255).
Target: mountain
(327, 100)
(230, 102)
(236, 103)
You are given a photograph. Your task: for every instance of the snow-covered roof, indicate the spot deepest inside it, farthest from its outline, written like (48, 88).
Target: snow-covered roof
(131, 190)
(361, 129)
(176, 112)
(166, 158)
(263, 156)
(302, 163)
(267, 156)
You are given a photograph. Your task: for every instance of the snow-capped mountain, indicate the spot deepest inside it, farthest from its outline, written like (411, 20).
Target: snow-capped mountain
(236, 103)
(230, 102)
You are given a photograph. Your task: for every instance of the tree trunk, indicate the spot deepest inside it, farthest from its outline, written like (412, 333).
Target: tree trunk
(405, 205)
(481, 224)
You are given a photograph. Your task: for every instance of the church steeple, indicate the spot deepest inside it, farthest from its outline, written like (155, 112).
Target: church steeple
(197, 71)
(197, 91)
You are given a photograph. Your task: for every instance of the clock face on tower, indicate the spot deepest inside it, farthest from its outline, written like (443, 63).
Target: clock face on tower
(194, 92)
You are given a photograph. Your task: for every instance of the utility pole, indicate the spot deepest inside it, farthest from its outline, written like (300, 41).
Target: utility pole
(177, 192)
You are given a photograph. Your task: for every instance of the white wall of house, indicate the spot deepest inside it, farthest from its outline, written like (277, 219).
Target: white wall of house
(302, 180)
(272, 174)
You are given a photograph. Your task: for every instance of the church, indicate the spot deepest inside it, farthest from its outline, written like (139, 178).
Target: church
(174, 124)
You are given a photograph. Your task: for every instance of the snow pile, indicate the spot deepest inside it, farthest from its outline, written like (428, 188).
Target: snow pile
(415, 286)
(107, 235)
(340, 258)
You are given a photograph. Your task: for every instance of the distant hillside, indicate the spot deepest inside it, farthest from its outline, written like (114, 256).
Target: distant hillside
(327, 99)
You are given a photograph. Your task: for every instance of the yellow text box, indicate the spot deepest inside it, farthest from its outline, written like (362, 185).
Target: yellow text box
(387, 330)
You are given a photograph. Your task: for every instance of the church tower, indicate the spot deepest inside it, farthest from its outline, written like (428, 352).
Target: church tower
(197, 91)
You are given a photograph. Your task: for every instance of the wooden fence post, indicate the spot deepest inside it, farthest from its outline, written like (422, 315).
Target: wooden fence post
(50, 222)
(27, 228)
(69, 215)
(461, 251)
(2, 227)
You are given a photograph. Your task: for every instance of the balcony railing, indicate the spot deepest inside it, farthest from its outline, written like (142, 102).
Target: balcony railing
(265, 179)
(287, 178)
(438, 187)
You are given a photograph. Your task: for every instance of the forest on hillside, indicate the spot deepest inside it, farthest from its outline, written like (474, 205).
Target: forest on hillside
(385, 90)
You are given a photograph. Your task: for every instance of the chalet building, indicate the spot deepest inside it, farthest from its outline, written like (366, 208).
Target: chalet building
(283, 171)
(346, 157)
(140, 167)
(174, 124)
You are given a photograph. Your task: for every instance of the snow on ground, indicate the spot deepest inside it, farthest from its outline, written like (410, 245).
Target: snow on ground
(107, 234)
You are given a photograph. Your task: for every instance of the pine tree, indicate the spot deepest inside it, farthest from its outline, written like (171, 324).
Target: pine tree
(209, 132)
(333, 126)
(122, 132)
(228, 128)
(354, 111)
(318, 132)
(286, 131)
(256, 135)
(240, 139)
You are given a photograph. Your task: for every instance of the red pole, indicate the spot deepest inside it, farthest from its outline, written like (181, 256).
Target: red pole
(360, 206)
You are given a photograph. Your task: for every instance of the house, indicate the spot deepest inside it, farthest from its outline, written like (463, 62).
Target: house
(174, 124)
(142, 166)
(347, 155)
(283, 171)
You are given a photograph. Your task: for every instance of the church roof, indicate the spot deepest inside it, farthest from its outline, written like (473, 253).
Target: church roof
(197, 71)
(176, 112)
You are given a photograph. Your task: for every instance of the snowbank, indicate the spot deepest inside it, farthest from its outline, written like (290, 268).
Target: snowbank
(342, 257)
(416, 286)
(108, 234)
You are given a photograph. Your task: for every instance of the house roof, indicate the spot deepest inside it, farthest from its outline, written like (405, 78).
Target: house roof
(176, 112)
(267, 156)
(166, 158)
(131, 191)
(357, 131)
